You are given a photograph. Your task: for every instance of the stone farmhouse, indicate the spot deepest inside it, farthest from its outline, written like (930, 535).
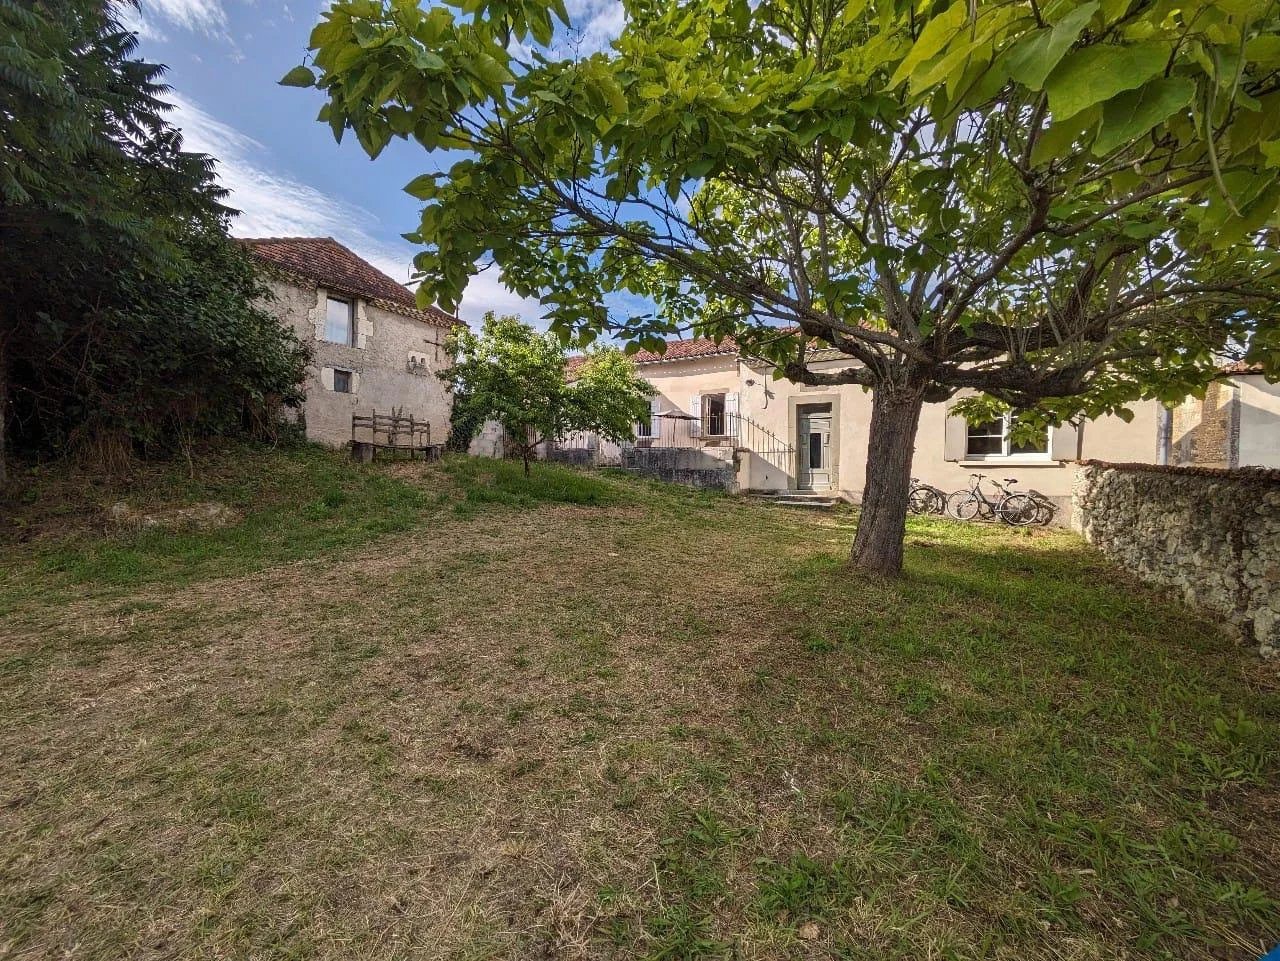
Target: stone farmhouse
(373, 348)
(721, 420)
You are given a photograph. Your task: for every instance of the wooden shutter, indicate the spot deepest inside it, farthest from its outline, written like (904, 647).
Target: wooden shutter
(731, 414)
(655, 423)
(1064, 442)
(955, 440)
(695, 411)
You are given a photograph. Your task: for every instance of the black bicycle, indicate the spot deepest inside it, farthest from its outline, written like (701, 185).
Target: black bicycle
(1045, 508)
(1015, 508)
(924, 499)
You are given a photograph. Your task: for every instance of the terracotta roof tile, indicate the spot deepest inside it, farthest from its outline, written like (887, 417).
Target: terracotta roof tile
(688, 350)
(331, 265)
(676, 350)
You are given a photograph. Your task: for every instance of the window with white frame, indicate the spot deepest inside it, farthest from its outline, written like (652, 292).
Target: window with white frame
(340, 321)
(991, 440)
(713, 415)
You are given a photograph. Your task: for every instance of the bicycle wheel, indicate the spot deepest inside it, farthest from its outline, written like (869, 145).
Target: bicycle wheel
(954, 498)
(920, 500)
(937, 501)
(1018, 510)
(966, 508)
(1045, 509)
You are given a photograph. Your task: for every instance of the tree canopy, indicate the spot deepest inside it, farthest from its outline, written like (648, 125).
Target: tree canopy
(514, 375)
(1062, 205)
(128, 317)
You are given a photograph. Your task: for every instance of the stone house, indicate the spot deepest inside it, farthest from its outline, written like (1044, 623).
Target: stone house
(373, 347)
(723, 421)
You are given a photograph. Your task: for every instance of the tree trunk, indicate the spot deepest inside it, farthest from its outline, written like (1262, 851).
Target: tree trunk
(895, 416)
(4, 405)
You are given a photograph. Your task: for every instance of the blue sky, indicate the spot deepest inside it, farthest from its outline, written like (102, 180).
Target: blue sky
(286, 173)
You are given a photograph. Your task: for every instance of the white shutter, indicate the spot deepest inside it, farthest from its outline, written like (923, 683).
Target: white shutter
(955, 438)
(1064, 442)
(731, 414)
(655, 423)
(695, 411)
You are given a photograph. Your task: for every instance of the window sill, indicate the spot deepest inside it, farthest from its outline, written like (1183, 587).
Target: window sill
(1011, 462)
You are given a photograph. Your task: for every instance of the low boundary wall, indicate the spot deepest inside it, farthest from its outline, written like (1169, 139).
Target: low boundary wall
(1211, 535)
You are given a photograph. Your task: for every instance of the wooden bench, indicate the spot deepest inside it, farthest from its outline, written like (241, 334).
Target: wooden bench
(392, 433)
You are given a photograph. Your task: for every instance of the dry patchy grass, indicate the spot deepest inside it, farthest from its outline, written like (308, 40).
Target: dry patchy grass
(447, 714)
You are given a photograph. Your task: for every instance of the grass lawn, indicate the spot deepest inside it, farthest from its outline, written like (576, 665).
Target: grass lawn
(417, 711)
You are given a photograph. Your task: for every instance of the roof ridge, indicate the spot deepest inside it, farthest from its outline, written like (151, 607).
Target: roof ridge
(328, 262)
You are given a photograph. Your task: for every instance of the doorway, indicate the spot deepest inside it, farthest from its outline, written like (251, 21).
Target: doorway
(814, 445)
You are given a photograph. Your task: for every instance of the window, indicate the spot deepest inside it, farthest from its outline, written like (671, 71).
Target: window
(339, 322)
(713, 410)
(644, 427)
(992, 440)
(341, 381)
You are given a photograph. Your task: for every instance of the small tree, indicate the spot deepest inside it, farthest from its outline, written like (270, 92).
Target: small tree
(514, 375)
(1064, 205)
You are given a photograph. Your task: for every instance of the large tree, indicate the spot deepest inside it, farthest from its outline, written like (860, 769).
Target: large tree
(1058, 205)
(128, 317)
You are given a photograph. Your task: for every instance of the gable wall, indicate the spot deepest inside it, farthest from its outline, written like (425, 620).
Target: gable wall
(381, 378)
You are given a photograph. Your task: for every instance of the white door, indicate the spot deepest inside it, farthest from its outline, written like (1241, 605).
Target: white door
(815, 450)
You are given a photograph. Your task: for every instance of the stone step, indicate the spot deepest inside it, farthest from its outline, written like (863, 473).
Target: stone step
(810, 499)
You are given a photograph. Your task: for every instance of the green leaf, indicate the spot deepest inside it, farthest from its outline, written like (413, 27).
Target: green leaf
(1032, 59)
(426, 60)
(936, 34)
(1136, 112)
(1055, 142)
(299, 77)
(1096, 74)
(423, 187)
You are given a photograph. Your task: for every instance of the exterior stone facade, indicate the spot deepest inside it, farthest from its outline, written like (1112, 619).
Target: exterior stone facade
(391, 352)
(393, 364)
(1213, 536)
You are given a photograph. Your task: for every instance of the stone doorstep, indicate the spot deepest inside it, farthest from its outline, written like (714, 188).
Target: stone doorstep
(810, 499)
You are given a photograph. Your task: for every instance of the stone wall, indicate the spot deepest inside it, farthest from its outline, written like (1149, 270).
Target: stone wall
(1212, 536)
(393, 365)
(709, 468)
(1205, 433)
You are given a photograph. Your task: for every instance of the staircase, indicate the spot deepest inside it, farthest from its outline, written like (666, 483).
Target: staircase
(812, 500)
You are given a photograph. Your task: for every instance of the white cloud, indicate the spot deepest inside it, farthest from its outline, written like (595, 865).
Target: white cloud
(131, 18)
(274, 204)
(485, 292)
(205, 16)
(596, 22)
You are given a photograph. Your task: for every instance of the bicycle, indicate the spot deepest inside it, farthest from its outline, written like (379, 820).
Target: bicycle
(923, 499)
(1015, 508)
(1045, 508)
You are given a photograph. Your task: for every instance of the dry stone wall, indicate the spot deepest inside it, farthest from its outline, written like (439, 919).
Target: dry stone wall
(1212, 536)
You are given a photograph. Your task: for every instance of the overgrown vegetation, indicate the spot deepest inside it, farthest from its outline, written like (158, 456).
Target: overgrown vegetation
(127, 316)
(585, 716)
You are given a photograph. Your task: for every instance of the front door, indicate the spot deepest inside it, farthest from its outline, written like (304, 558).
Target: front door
(815, 449)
